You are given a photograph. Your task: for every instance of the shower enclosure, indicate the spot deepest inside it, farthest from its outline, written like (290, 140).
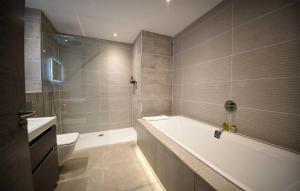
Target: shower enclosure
(94, 93)
(79, 103)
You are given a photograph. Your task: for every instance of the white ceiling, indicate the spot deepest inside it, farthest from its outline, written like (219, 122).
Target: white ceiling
(101, 18)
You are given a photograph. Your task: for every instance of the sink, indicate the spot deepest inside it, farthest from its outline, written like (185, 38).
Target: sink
(37, 126)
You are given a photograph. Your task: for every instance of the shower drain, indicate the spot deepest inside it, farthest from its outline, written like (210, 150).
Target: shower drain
(101, 134)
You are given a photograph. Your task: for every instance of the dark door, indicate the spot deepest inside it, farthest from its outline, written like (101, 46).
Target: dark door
(15, 169)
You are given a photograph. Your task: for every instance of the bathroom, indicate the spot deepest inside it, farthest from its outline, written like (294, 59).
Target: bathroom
(155, 95)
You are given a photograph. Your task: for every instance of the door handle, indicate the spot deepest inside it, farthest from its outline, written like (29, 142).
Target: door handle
(23, 123)
(23, 115)
(26, 114)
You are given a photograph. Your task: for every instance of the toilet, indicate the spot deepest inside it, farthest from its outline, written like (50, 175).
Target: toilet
(65, 146)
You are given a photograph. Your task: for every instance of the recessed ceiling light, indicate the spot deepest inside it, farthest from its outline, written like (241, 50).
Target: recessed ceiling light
(66, 40)
(115, 34)
(168, 1)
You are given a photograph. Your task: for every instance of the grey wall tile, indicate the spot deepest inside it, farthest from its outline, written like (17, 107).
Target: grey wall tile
(157, 46)
(118, 91)
(177, 44)
(80, 105)
(177, 76)
(177, 60)
(218, 70)
(272, 62)
(115, 116)
(159, 77)
(282, 25)
(177, 91)
(154, 63)
(156, 91)
(110, 104)
(147, 34)
(157, 106)
(214, 114)
(32, 49)
(277, 128)
(30, 12)
(280, 95)
(253, 60)
(217, 92)
(212, 49)
(32, 27)
(245, 10)
(155, 71)
(216, 24)
(176, 107)
(100, 86)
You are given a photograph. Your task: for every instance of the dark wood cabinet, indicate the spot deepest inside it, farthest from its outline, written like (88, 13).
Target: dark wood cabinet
(44, 160)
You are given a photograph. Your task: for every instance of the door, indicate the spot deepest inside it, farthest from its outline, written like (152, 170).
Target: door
(15, 166)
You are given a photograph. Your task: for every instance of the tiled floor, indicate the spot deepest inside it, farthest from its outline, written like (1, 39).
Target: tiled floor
(106, 168)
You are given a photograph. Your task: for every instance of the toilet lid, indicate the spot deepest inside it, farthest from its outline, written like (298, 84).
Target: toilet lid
(66, 139)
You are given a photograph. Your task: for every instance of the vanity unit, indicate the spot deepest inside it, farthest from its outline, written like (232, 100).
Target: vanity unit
(43, 152)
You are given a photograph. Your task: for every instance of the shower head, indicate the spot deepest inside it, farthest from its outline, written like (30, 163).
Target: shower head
(67, 40)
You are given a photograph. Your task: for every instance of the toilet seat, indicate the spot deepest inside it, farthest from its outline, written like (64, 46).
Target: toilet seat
(67, 139)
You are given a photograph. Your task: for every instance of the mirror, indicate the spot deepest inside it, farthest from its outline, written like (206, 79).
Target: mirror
(56, 71)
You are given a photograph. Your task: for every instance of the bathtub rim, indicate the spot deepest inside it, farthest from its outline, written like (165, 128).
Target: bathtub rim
(252, 141)
(199, 167)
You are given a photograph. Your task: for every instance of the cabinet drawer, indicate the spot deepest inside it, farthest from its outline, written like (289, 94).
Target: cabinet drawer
(41, 145)
(46, 175)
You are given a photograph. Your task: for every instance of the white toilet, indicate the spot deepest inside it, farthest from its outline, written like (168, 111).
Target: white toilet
(65, 146)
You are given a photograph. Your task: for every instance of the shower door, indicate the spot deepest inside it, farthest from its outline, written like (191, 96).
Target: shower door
(80, 91)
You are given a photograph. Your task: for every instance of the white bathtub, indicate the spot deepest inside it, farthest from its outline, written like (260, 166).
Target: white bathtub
(250, 164)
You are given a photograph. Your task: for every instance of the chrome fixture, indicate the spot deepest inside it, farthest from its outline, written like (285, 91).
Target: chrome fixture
(230, 106)
(218, 133)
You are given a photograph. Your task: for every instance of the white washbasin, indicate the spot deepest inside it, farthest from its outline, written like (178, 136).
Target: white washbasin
(36, 126)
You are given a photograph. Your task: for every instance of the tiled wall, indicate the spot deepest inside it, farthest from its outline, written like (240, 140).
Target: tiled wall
(32, 46)
(156, 74)
(152, 69)
(247, 51)
(39, 48)
(136, 72)
(96, 94)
